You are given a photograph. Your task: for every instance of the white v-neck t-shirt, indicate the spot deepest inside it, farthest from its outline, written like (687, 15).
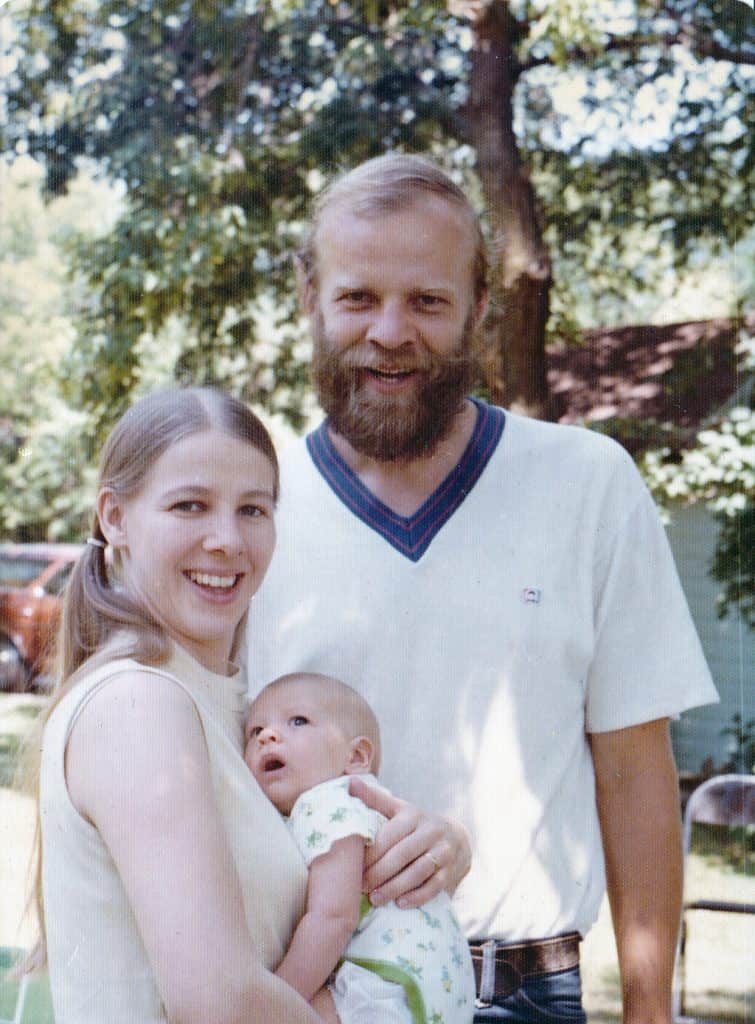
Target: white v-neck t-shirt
(532, 600)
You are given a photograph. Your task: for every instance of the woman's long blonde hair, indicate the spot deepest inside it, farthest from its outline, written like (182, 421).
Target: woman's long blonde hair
(101, 622)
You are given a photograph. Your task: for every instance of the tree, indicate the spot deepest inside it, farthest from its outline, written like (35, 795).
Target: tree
(47, 446)
(220, 120)
(45, 460)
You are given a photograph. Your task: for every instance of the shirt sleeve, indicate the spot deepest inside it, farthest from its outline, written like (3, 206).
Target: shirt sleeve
(647, 661)
(327, 813)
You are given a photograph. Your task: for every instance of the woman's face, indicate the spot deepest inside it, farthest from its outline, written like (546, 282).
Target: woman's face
(197, 539)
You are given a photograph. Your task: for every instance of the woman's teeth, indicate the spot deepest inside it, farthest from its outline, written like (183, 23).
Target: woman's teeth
(205, 580)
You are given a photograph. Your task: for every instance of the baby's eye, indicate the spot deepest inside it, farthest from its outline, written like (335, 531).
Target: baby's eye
(299, 720)
(254, 731)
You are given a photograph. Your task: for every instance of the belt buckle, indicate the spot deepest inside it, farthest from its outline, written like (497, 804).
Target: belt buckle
(488, 976)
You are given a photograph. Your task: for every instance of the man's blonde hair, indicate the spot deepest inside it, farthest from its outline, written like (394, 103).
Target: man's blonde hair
(390, 184)
(350, 711)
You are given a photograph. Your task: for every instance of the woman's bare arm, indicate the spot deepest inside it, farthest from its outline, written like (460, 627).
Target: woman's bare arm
(137, 768)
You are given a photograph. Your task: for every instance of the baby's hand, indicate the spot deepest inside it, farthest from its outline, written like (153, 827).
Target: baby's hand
(415, 855)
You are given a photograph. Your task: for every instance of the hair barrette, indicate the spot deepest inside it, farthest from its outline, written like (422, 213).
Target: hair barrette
(96, 543)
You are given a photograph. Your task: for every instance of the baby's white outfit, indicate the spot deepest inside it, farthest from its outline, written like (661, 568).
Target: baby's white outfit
(408, 966)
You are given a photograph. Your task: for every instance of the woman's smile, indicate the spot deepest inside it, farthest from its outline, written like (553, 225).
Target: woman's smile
(215, 587)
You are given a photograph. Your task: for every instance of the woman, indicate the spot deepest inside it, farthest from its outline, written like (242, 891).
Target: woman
(169, 884)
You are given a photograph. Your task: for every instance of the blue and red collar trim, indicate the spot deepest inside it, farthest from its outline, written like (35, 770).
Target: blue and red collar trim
(410, 535)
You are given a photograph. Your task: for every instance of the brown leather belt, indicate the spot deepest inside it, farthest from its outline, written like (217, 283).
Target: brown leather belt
(500, 967)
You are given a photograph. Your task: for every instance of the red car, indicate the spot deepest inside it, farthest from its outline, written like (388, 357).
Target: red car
(32, 577)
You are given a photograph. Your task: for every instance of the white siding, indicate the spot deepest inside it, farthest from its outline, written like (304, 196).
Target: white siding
(728, 643)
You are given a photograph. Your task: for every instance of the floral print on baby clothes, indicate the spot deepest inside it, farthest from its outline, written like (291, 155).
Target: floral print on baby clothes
(421, 949)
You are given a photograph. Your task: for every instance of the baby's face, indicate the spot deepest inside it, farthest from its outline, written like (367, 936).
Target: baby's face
(292, 743)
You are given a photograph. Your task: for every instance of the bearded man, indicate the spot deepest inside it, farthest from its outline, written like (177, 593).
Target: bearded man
(502, 593)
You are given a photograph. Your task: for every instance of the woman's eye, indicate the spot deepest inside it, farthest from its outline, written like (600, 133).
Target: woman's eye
(188, 506)
(429, 301)
(299, 720)
(253, 511)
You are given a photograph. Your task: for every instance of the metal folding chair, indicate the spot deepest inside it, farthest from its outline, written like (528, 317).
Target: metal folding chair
(727, 800)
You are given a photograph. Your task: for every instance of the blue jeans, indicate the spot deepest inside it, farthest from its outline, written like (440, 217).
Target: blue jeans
(542, 999)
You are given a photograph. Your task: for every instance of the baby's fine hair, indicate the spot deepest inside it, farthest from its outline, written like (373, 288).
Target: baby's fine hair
(349, 709)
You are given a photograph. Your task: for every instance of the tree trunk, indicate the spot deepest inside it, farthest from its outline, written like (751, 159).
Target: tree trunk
(512, 342)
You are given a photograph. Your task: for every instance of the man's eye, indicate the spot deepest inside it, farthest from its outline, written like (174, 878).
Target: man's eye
(356, 298)
(299, 720)
(429, 301)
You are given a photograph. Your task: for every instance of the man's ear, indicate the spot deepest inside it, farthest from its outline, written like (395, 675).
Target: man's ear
(481, 307)
(361, 754)
(305, 287)
(112, 521)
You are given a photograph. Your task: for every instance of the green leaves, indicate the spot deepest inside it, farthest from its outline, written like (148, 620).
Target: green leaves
(216, 122)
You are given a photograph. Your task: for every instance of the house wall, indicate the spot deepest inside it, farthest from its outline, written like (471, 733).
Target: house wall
(728, 643)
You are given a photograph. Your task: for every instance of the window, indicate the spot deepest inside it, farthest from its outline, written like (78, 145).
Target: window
(19, 572)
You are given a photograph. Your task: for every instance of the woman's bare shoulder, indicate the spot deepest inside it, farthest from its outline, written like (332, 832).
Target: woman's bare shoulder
(138, 726)
(136, 691)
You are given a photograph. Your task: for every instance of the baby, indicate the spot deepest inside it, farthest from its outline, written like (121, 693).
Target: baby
(305, 735)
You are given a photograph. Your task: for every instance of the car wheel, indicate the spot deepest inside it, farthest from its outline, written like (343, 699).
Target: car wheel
(12, 668)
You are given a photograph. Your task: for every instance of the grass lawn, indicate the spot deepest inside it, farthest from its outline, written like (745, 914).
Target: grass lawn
(721, 965)
(720, 952)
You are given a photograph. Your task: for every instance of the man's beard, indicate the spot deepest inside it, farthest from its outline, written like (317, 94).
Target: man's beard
(392, 427)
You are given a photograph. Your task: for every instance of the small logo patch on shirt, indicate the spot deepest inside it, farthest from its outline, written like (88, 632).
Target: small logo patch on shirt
(531, 595)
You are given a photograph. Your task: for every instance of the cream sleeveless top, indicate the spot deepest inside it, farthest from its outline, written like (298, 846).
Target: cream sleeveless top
(99, 971)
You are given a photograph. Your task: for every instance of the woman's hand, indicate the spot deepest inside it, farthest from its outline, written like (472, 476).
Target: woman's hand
(415, 855)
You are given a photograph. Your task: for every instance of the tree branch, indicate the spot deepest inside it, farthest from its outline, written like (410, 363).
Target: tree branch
(243, 75)
(699, 44)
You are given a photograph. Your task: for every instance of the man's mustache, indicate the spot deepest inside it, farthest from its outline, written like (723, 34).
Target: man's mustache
(359, 359)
